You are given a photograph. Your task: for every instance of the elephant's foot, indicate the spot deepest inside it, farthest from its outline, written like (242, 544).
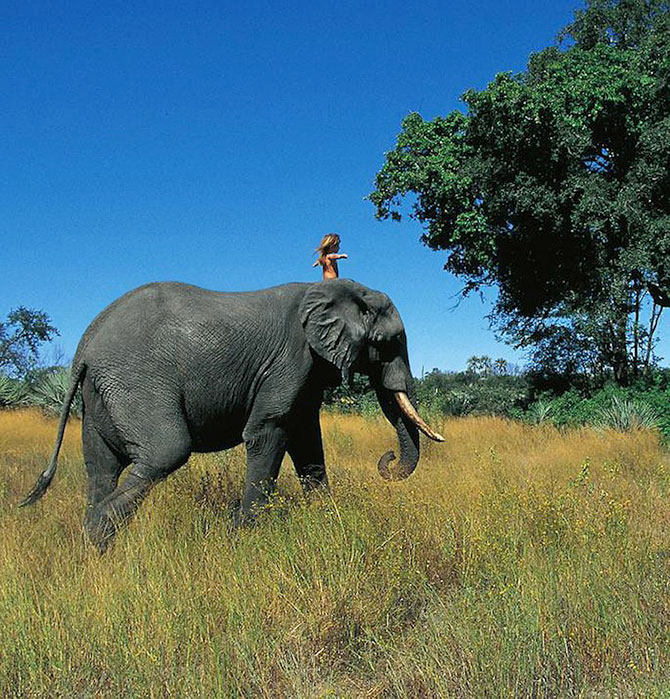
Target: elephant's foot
(242, 519)
(100, 528)
(236, 516)
(315, 488)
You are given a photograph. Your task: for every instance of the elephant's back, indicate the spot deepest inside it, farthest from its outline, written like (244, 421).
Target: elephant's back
(182, 300)
(175, 329)
(123, 344)
(123, 314)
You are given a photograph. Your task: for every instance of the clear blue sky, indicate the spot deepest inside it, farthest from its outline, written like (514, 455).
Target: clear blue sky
(215, 142)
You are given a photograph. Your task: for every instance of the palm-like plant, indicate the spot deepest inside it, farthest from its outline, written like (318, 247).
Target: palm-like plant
(50, 389)
(626, 415)
(541, 412)
(13, 393)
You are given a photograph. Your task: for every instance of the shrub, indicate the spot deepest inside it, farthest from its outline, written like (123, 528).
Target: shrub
(49, 390)
(540, 411)
(13, 393)
(627, 414)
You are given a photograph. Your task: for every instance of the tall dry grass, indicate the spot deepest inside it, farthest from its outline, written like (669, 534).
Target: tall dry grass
(516, 561)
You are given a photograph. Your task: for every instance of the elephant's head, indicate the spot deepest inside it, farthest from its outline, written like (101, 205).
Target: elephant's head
(356, 328)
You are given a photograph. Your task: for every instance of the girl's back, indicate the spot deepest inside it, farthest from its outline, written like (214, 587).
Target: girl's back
(329, 255)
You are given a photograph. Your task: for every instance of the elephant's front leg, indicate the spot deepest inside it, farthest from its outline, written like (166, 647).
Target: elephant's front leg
(305, 448)
(266, 446)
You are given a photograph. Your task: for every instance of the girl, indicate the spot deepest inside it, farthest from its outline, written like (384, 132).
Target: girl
(328, 257)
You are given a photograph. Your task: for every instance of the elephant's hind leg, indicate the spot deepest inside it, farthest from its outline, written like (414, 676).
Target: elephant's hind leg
(103, 464)
(104, 519)
(103, 454)
(168, 451)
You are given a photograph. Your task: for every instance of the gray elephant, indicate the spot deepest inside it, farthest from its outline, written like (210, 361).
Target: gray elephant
(169, 369)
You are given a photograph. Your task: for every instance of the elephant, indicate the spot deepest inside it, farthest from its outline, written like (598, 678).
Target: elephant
(169, 369)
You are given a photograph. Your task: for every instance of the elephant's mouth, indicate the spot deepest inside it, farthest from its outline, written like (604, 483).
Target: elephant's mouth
(408, 409)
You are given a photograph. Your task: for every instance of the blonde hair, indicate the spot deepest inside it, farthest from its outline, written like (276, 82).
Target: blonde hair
(328, 242)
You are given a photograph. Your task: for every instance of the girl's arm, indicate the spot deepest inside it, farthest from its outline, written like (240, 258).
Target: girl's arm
(336, 256)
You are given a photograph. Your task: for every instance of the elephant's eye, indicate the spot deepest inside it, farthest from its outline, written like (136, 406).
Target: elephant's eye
(381, 348)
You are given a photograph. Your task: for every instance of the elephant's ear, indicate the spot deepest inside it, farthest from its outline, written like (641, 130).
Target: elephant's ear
(335, 317)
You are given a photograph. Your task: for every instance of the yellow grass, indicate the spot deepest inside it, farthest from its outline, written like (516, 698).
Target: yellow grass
(516, 561)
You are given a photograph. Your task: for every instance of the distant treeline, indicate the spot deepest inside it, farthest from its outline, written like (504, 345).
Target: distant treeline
(498, 388)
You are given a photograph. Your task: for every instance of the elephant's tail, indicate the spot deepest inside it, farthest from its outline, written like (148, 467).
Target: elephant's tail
(45, 478)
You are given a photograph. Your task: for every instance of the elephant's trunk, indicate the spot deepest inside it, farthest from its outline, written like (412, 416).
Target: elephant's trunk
(400, 412)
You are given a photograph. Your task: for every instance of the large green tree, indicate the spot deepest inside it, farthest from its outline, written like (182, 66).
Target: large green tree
(554, 186)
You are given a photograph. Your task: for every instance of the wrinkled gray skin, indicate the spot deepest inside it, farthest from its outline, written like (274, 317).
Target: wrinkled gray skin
(170, 369)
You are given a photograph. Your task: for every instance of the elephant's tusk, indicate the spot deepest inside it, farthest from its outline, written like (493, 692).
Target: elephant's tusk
(408, 409)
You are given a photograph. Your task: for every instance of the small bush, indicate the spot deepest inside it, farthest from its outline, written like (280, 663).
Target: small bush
(626, 414)
(49, 391)
(540, 412)
(13, 393)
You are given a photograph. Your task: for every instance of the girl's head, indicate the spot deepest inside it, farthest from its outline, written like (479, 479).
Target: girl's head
(329, 243)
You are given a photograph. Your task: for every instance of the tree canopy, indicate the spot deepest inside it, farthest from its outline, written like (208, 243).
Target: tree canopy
(554, 184)
(21, 336)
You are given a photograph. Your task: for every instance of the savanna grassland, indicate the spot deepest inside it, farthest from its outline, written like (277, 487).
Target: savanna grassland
(516, 561)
